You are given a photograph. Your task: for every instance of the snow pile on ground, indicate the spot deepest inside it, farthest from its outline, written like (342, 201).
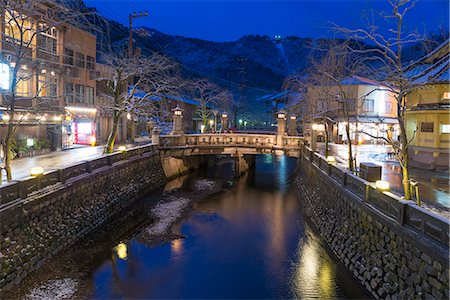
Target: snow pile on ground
(54, 289)
(166, 214)
(204, 185)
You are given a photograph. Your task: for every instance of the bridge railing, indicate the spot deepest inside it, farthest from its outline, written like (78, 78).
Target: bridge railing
(232, 139)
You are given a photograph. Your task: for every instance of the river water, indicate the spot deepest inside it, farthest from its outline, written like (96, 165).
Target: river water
(250, 240)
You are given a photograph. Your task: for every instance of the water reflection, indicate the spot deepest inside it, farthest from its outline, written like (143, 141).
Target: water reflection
(314, 272)
(122, 251)
(248, 242)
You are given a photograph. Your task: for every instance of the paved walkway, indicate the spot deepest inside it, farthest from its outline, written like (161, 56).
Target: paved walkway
(433, 185)
(54, 160)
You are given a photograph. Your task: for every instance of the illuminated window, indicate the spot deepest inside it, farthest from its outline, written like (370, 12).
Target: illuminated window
(426, 127)
(23, 85)
(5, 77)
(18, 26)
(369, 105)
(445, 128)
(47, 86)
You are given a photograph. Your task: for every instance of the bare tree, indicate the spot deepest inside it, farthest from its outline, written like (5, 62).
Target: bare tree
(27, 24)
(209, 96)
(391, 71)
(328, 96)
(133, 85)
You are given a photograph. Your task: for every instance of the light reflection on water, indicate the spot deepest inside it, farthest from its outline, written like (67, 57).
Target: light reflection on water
(248, 243)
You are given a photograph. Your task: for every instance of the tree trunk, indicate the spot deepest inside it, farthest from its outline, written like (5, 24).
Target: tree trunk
(109, 147)
(8, 155)
(404, 159)
(351, 166)
(326, 138)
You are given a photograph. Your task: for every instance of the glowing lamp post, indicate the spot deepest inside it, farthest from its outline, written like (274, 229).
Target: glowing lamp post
(37, 171)
(331, 160)
(211, 124)
(382, 185)
(224, 121)
(281, 131)
(177, 117)
(315, 128)
(292, 125)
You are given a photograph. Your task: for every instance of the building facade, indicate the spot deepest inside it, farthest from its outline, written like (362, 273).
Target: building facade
(428, 110)
(56, 103)
(372, 110)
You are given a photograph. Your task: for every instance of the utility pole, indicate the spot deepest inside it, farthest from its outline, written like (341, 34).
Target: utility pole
(132, 16)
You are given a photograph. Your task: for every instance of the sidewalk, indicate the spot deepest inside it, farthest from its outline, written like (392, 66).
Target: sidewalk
(54, 160)
(433, 185)
(21, 167)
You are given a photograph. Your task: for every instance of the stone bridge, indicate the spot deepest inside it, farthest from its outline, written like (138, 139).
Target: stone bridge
(241, 146)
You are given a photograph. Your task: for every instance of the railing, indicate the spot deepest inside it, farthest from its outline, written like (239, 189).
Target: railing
(405, 213)
(229, 139)
(23, 188)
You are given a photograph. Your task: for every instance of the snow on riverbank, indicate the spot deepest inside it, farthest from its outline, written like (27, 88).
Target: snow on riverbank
(54, 289)
(204, 185)
(166, 214)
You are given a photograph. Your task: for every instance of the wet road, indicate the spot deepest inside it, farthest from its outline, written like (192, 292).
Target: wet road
(248, 241)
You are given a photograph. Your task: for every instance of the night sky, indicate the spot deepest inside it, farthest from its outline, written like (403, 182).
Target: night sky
(230, 20)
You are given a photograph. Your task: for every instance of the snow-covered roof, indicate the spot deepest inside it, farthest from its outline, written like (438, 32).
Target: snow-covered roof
(432, 68)
(355, 80)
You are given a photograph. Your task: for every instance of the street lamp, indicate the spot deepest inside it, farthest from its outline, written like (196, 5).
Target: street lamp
(224, 121)
(177, 116)
(292, 125)
(177, 111)
(37, 171)
(281, 114)
(382, 185)
(331, 159)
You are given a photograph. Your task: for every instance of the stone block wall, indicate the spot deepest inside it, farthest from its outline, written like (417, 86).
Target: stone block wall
(37, 227)
(392, 260)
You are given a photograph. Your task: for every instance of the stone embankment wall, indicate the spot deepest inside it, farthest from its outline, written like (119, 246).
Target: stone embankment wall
(394, 248)
(41, 216)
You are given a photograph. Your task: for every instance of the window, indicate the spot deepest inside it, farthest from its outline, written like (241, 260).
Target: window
(368, 105)
(89, 95)
(445, 128)
(68, 56)
(79, 93)
(90, 63)
(68, 92)
(427, 127)
(79, 60)
(23, 84)
(47, 39)
(388, 108)
(14, 31)
(47, 86)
